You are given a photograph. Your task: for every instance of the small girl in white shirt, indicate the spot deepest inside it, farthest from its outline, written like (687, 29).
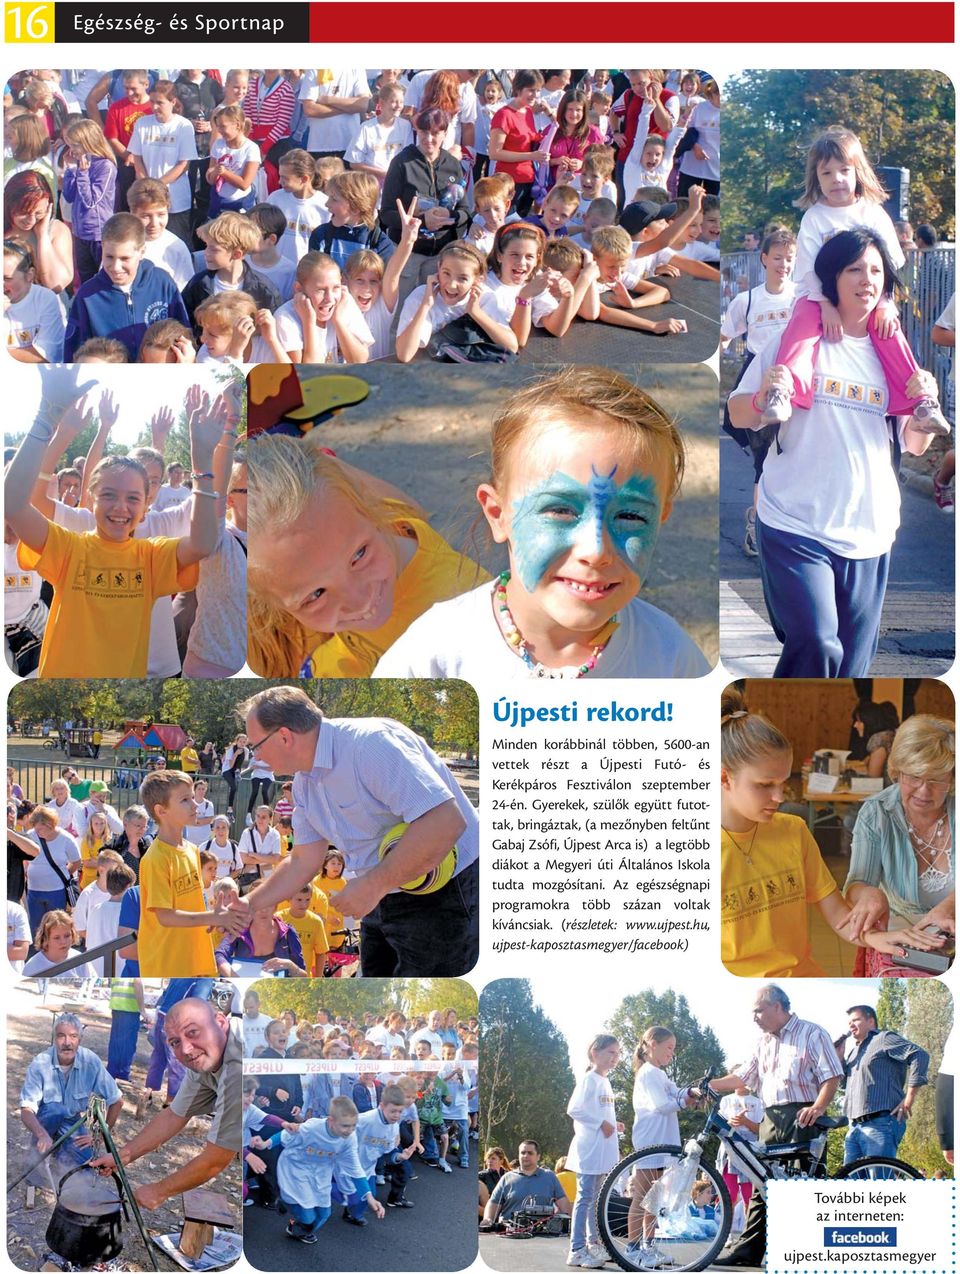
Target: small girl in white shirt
(304, 206)
(594, 1151)
(234, 163)
(842, 192)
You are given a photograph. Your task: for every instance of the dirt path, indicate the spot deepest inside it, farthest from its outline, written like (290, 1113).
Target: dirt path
(29, 1028)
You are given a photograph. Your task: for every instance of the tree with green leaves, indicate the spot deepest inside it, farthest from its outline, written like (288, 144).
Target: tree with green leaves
(903, 118)
(525, 1074)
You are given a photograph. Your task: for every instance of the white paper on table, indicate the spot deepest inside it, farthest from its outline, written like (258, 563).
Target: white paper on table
(822, 783)
(865, 784)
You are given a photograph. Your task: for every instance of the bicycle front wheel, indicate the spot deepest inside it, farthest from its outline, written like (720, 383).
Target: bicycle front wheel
(647, 1225)
(877, 1169)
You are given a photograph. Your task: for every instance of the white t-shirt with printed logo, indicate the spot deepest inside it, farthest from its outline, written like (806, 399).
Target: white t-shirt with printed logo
(21, 589)
(234, 160)
(162, 147)
(303, 216)
(440, 314)
(378, 144)
(37, 320)
(768, 315)
(336, 132)
(832, 479)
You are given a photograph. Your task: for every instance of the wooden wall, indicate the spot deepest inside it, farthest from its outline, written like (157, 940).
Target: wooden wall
(816, 714)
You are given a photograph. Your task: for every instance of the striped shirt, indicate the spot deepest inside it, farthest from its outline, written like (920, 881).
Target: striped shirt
(877, 1073)
(793, 1065)
(269, 108)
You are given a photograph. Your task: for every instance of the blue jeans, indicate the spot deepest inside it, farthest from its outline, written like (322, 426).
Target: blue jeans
(824, 608)
(40, 901)
(428, 1140)
(880, 1136)
(122, 1048)
(583, 1222)
(55, 1119)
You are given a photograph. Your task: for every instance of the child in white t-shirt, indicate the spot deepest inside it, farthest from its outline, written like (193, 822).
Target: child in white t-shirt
(580, 513)
(199, 829)
(381, 138)
(103, 922)
(149, 201)
(594, 1150)
(303, 205)
(375, 286)
(457, 289)
(34, 316)
(322, 323)
(267, 259)
(234, 163)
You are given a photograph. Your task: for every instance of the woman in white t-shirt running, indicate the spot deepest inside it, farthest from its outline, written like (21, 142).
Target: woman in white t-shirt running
(829, 501)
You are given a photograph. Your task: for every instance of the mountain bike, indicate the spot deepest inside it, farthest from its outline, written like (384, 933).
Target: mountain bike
(661, 1233)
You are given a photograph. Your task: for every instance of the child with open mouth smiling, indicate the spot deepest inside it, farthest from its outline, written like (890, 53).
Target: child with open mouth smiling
(585, 470)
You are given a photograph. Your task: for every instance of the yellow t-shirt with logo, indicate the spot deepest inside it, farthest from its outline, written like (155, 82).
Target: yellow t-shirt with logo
(99, 623)
(764, 920)
(435, 573)
(170, 878)
(310, 930)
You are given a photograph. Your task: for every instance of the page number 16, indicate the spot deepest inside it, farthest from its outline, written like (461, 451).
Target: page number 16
(28, 23)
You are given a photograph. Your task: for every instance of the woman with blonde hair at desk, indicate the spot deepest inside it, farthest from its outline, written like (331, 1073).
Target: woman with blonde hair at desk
(902, 868)
(771, 870)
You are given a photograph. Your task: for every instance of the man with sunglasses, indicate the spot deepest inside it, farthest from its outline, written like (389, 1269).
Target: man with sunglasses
(355, 779)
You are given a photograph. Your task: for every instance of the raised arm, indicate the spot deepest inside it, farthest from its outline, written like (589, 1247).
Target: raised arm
(206, 424)
(409, 233)
(108, 418)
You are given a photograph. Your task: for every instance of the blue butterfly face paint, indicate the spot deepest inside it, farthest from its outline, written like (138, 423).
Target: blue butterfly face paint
(560, 516)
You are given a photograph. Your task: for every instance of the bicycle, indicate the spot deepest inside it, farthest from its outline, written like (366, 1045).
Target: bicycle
(682, 1242)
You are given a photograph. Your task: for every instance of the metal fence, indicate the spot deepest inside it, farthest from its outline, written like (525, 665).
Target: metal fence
(35, 777)
(929, 280)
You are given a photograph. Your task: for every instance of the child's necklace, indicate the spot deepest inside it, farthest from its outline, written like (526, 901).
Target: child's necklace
(514, 638)
(748, 852)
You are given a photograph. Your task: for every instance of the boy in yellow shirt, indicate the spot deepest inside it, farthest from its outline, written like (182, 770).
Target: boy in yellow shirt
(309, 928)
(175, 939)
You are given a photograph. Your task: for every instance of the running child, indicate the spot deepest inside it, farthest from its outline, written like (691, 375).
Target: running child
(149, 201)
(305, 1170)
(841, 192)
(352, 200)
(300, 201)
(322, 323)
(174, 937)
(89, 189)
(456, 291)
(585, 469)
(234, 163)
(594, 1150)
(100, 625)
(378, 1149)
(771, 869)
(334, 604)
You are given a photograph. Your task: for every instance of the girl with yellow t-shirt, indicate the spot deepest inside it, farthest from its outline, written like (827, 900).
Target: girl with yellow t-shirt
(771, 870)
(106, 581)
(329, 605)
(331, 881)
(91, 843)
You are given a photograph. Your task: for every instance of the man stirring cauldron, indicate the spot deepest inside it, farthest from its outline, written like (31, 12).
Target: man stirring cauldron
(210, 1046)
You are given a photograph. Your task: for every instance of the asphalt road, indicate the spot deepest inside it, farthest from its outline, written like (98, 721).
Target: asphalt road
(917, 631)
(439, 1233)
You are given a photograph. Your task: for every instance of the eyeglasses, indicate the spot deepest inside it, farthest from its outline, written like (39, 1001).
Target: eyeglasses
(238, 491)
(916, 780)
(259, 744)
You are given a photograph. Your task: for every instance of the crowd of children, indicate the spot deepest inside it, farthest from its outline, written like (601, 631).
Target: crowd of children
(314, 216)
(395, 1094)
(117, 564)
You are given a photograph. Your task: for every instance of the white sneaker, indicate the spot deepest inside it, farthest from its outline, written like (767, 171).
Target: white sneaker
(248, 821)
(778, 408)
(444, 1166)
(586, 1259)
(929, 419)
(575, 1259)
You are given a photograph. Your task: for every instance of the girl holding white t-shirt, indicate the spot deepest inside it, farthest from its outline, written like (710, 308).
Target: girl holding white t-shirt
(829, 501)
(594, 1151)
(162, 145)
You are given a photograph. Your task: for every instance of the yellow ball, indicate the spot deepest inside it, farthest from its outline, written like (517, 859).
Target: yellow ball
(435, 878)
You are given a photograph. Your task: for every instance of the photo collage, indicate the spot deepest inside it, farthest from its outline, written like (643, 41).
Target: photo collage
(466, 385)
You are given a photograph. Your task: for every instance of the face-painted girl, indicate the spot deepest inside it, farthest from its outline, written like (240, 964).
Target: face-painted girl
(581, 516)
